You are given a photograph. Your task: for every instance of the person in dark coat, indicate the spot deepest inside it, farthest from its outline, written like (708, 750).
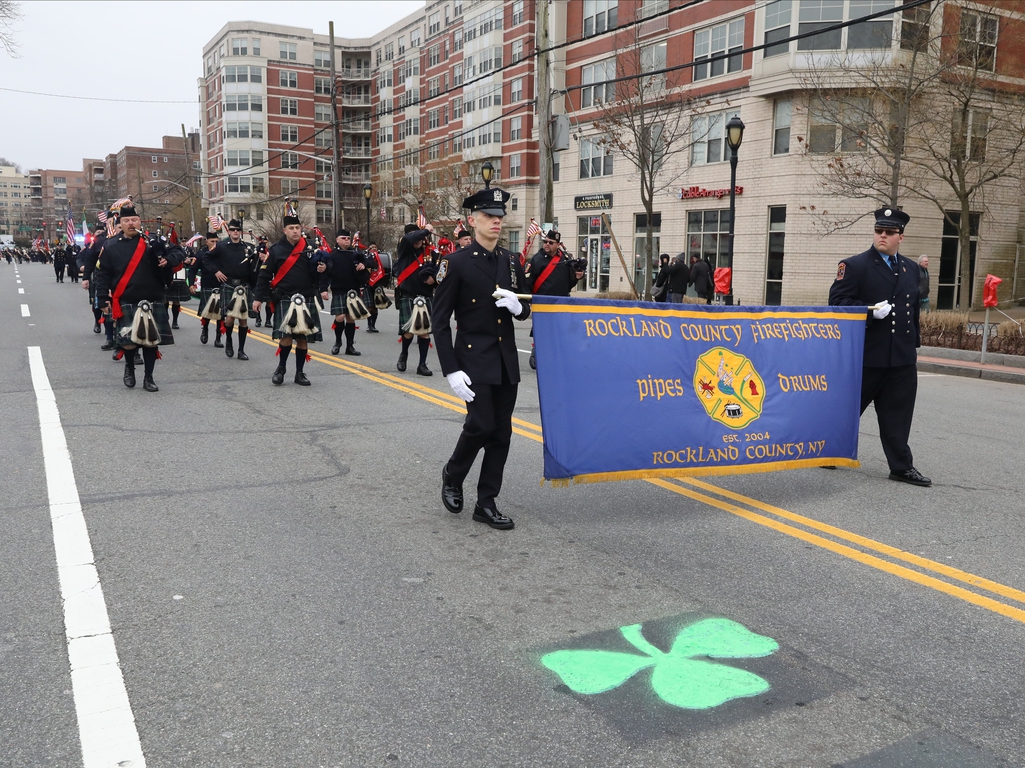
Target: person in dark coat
(59, 263)
(550, 272)
(414, 273)
(71, 261)
(347, 270)
(478, 284)
(701, 278)
(283, 278)
(206, 268)
(923, 284)
(678, 274)
(235, 265)
(131, 277)
(86, 264)
(886, 282)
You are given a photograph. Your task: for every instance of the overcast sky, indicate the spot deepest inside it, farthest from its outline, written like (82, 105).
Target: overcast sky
(138, 50)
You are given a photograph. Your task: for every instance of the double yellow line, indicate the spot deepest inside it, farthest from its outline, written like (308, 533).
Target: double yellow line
(864, 550)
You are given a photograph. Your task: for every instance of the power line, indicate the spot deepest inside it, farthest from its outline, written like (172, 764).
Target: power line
(93, 98)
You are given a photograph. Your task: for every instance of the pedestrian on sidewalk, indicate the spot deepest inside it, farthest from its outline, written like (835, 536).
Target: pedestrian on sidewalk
(923, 284)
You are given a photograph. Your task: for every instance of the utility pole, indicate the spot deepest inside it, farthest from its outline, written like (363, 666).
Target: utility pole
(544, 114)
(335, 176)
(188, 172)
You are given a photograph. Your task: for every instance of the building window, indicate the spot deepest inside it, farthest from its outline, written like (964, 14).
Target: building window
(239, 184)
(457, 74)
(433, 87)
(323, 139)
(239, 47)
(715, 41)
(255, 74)
(516, 52)
(514, 238)
(877, 33)
(155, 174)
(433, 55)
(289, 106)
(516, 128)
(653, 59)
(596, 89)
(324, 215)
(402, 44)
(389, 52)
(777, 27)
(324, 189)
(835, 126)
(514, 164)
(290, 133)
(287, 51)
(517, 12)
(774, 262)
(968, 136)
(288, 79)
(914, 28)
(977, 46)
(599, 16)
(516, 90)
(457, 107)
(256, 46)
(595, 160)
(816, 14)
(433, 24)
(322, 85)
(322, 59)
(289, 160)
(781, 128)
(322, 113)
(237, 74)
(290, 186)
(153, 158)
(432, 119)
(708, 235)
(708, 137)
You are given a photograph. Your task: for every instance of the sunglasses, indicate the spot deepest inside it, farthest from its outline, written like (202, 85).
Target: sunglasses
(887, 232)
(551, 242)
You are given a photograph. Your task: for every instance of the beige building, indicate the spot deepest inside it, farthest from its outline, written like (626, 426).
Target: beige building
(14, 204)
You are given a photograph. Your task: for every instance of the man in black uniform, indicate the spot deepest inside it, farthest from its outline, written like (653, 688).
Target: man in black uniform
(463, 237)
(290, 271)
(59, 264)
(208, 284)
(481, 363)
(347, 271)
(414, 277)
(71, 261)
(235, 265)
(86, 265)
(551, 273)
(881, 278)
(132, 273)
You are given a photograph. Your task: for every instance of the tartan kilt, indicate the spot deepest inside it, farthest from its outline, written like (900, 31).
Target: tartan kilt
(279, 316)
(338, 306)
(178, 293)
(405, 301)
(123, 325)
(92, 295)
(227, 291)
(204, 296)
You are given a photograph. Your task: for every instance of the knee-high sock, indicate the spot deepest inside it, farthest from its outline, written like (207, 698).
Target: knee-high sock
(405, 344)
(149, 359)
(97, 314)
(283, 356)
(423, 343)
(243, 331)
(205, 322)
(340, 325)
(300, 359)
(350, 334)
(175, 311)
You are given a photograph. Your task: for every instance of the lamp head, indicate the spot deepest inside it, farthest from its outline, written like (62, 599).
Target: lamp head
(734, 132)
(487, 172)
(368, 191)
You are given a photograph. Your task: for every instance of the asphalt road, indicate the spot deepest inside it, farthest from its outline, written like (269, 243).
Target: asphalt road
(285, 588)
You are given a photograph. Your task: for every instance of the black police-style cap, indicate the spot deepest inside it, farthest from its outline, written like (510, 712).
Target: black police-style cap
(891, 217)
(490, 201)
(553, 235)
(127, 210)
(235, 224)
(211, 235)
(409, 228)
(343, 232)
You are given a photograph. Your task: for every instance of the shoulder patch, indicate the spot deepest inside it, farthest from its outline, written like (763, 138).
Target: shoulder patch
(841, 270)
(442, 270)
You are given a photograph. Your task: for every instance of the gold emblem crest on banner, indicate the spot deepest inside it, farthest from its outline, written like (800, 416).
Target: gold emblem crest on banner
(728, 387)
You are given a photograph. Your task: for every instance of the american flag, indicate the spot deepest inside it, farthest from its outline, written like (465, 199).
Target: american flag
(421, 217)
(216, 222)
(102, 217)
(69, 225)
(194, 239)
(533, 229)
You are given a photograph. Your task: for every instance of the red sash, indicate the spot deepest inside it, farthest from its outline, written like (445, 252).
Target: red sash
(293, 257)
(115, 300)
(419, 262)
(548, 270)
(378, 272)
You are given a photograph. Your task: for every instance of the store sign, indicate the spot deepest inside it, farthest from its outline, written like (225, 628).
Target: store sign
(592, 202)
(692, 192)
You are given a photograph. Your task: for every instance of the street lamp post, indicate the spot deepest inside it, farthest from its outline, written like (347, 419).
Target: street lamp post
(734, 137)
(368, 191)
(487, 172)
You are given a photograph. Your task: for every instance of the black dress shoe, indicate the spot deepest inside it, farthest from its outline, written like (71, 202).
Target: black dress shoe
(174, 326)
(96, 328)
(401, 364)
(129, 378)
(242, 355)
(912, 476)
(217, 342)
(204, 335)
(114, 356)
(301, 380)
(335, 349)
(229, 350)
(149, 385)
(492, 517)
(279, 376)
(259, 323)
(532, 361)
(451, 494)
(108, 345)
(352, 351)
(371, 329)
(423, 370)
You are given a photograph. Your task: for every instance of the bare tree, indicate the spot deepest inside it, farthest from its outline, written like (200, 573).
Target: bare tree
(647, 120)
(5, 161)
(10, 12)
(929, 121)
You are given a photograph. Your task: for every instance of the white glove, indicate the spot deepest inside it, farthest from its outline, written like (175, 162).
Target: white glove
(883, 311)
(460, 384)
(508, 300)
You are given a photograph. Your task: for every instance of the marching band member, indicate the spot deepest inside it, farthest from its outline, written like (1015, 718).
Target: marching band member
(235, 266)
(346, 273)
(209, 289)
(414, 287)
(289, 279)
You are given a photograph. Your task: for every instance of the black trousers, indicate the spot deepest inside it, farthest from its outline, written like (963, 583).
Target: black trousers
(893, 390)
(488, 425)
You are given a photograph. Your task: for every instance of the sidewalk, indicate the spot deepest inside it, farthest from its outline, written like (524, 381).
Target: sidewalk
(1009, 369)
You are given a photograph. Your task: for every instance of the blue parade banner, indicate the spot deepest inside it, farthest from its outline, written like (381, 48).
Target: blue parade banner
(637, 389)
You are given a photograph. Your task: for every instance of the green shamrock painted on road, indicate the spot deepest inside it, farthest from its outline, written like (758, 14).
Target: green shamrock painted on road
(677, 677)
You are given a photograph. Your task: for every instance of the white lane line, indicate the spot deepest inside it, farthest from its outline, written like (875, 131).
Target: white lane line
(18, 281)
(21, 290)
(106, 725)
(24, 310)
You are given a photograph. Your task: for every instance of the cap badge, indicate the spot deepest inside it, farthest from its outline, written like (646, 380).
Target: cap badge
(498, 195)
(888, 212)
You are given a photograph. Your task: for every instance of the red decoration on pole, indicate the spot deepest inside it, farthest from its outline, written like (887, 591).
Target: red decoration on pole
(989, 290)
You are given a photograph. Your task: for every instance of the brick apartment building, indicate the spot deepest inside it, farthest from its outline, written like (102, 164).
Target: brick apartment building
(50, 194)
(14, 204)
(452, 86)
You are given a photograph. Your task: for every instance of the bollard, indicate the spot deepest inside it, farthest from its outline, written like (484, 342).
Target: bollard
(985, 337)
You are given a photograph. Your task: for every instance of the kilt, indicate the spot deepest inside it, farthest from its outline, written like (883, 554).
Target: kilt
(227, 291)
(279, 315)
(123, 326)
(178, 293)
(204, 295)
(338, 306)
(405, 302)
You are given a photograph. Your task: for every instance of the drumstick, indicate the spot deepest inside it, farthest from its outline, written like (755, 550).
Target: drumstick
(524, 296)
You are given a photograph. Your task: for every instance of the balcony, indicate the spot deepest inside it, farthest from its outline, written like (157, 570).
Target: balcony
(357, 126)
(354, 177)
(356, 100)
(348, 151)
(355, 74)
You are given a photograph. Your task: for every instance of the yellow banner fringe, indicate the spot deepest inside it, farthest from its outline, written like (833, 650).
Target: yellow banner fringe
(742, 469)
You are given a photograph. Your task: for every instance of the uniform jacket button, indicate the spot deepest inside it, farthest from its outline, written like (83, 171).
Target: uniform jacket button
(473, 301)
(499, 338)
(469, 346)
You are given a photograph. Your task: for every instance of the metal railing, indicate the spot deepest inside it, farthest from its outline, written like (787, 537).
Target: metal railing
(355, 100)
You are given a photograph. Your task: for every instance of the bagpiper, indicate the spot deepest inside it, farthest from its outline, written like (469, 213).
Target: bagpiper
(346, 274)
(414, 288)
(235, 264)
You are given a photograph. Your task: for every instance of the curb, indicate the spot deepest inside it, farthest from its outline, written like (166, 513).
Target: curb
(1001, 374)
